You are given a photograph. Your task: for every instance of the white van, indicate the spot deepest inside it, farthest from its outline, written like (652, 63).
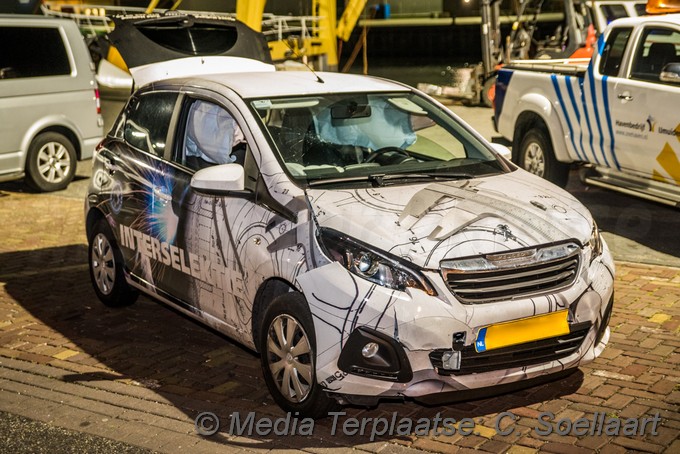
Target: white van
(49, 103)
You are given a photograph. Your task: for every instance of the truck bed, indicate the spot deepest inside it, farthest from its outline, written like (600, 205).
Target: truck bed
(567, 67)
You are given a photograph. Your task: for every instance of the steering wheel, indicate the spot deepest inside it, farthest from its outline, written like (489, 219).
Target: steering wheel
(381, 151)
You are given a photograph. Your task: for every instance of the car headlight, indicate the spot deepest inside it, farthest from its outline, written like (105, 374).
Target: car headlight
(595, 243)
(372, 264)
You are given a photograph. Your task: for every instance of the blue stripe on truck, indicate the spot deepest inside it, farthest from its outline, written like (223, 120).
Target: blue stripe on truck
(593, 95)
(605, 97)
(574, 105)
(502, 82)
(587, 122)
(555, 83)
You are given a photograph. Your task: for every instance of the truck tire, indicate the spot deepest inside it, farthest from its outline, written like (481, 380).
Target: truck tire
(536, 156)
(50, 162)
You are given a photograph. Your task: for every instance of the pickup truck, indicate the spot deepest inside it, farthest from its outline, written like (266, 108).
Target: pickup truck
(616, 113)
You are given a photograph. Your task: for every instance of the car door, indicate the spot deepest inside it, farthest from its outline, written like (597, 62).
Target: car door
(644, 110)
(215, 232)
(141, 186)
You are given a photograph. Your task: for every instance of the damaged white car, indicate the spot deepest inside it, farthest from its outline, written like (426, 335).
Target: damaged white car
(358, 235)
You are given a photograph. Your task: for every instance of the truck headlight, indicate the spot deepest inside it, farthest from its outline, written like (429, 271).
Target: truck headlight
(372, 264)
(595, 243)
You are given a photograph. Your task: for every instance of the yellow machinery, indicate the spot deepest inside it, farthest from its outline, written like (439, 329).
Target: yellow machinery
(312, 39)
(317, 43)
(318, 34)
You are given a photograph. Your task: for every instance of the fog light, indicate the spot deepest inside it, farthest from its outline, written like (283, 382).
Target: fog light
(451, 360)
(370, 350)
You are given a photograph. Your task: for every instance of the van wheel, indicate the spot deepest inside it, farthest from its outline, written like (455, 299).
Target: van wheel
(106, 268)
(288, 352)
(536, 156)
(50, 163)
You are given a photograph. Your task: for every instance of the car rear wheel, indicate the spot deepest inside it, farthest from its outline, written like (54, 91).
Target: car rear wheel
(106, 268)
(51, 162)
(536, 156)
(288, 353)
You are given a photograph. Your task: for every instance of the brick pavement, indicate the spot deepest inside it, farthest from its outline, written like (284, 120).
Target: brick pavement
(141, 374)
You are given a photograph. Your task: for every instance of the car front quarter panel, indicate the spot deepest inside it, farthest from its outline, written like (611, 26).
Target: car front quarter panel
(340, 302)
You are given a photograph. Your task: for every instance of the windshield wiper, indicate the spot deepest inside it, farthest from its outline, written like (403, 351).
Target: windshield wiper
(324, 181)
(429, 176)
(379, 179)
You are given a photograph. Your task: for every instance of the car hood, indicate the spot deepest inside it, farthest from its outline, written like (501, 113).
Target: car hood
(174, 44)
(427, 223)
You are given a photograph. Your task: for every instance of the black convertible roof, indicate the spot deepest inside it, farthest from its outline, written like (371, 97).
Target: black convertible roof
(143, 39)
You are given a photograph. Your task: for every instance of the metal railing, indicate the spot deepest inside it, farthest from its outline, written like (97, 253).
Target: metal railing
(94, 19)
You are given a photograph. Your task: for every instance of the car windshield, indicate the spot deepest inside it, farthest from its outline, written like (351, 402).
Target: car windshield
(371, 138)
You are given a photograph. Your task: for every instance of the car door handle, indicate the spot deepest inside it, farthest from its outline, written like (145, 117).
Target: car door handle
(108, 160)
(625, 96)
(108, 165)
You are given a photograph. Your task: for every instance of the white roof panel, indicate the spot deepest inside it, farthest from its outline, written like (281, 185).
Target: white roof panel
(293, 83)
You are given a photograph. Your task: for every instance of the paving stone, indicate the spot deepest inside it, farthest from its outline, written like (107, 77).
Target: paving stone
(141, 374)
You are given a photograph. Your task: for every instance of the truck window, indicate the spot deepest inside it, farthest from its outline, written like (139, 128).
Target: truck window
(658, 47)
(612, 12)
(641, 9)
(612, 55)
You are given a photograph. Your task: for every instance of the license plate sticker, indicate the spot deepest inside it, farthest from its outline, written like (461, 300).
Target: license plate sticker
(520, 331)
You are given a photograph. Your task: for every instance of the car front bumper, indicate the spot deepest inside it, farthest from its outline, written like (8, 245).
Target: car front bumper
(421, 329)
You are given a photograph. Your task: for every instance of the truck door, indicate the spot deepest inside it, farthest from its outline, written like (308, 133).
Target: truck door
(645, 114)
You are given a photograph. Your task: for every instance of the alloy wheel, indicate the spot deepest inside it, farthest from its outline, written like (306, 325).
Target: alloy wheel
(290, 358)
(103, 264)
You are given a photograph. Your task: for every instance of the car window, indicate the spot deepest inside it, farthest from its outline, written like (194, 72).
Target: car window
(147, 121)
(211, 136)
(34, 52)
(612, 55)
(357, 135)
(658, 47)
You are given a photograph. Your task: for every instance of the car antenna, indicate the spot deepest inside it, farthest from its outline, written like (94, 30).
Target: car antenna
(297, 55)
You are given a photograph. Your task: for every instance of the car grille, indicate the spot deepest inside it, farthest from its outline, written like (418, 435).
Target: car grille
(513, 274)
(517, 355)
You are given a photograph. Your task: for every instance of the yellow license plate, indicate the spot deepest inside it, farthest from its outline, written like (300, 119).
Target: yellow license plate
(521, 331)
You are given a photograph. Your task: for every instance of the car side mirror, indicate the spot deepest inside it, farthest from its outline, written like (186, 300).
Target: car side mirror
(219, 179)
(670, 73)
(502, 150)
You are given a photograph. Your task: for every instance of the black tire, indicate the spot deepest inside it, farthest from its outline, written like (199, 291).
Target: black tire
(50, 162)
(307, 398)
(536, 156)
(106, 268)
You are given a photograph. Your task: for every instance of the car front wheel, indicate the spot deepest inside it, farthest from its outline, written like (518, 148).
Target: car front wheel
(288, 353)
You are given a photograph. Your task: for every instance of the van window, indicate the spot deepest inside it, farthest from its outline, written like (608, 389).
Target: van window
(32, 52)
(148, 120)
